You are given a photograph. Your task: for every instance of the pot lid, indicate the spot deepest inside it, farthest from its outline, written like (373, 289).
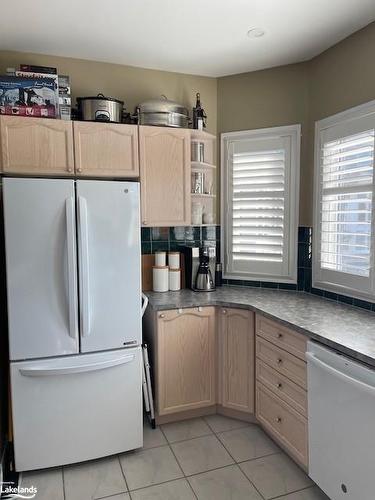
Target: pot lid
(100, 97)
(162, 105)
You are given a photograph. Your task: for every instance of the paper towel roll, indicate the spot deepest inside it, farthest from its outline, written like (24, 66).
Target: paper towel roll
(174, 279)
(160, 278)
(174, 260)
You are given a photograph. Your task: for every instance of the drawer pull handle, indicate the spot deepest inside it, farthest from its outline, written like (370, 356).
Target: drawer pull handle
(278, 420)
(279, 335)
(279, 385)
(279, 361)
(162, 316)
(224, 311)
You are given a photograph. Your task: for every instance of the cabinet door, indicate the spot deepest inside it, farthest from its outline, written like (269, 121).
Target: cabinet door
(106, 150)
(237, 359)
(36, 146)
(165, 176)
(186, 359)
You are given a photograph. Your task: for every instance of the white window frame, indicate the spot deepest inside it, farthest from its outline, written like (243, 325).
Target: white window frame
(291, 206)
(322, 278)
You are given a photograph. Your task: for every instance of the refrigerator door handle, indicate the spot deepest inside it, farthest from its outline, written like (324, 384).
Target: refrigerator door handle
(79, 368)
(72, 267)
(84, 274)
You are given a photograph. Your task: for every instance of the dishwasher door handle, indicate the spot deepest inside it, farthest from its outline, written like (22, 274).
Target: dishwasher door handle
(339, 374)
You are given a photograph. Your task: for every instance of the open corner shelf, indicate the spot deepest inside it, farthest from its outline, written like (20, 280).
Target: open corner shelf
(203, 195)
(201, 165)
(202, 135)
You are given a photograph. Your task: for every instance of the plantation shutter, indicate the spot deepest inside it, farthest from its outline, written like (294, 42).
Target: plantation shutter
(345, 220)
(260, 210)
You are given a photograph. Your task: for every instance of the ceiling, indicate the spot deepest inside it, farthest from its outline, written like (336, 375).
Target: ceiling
(205, 37)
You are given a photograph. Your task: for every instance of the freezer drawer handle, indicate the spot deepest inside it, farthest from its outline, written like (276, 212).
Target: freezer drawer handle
(362, 385)
(72, 267)
(84, 267)
(67, 370)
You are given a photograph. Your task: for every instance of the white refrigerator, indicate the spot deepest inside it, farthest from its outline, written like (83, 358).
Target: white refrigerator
(74, 317)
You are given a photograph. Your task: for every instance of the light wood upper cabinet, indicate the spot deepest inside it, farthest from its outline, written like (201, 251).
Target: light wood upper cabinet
(106, 149)
(36, 146)
(185, 374)
(237, 359)
(165, 176)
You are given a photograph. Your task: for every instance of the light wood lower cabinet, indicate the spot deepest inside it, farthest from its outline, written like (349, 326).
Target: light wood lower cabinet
(185, 352)
(36, 146)
(165, 176)
(281, 386)
(236, 355)
(284, 423)
(282, 361)
(106, 150)
(189, 354)
(286, 389)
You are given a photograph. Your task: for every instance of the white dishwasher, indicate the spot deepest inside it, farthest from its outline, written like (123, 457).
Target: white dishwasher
(341, 411)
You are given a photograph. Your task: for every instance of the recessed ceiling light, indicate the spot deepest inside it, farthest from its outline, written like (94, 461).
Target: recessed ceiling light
(255, 33)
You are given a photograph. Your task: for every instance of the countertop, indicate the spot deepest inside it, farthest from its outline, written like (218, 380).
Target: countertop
(345, 328)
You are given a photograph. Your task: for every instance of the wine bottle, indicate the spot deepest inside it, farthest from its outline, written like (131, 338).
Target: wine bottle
(199, 115)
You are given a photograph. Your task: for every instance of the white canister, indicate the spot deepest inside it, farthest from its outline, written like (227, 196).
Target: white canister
(174, 279)
(160, 259)
(174, 260)
(160, 279)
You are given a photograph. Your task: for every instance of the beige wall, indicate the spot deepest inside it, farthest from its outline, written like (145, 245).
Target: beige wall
(133, 85)
(267, 98)
(341, 77)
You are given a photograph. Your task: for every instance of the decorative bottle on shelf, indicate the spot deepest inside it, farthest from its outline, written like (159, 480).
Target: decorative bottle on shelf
(199, 115)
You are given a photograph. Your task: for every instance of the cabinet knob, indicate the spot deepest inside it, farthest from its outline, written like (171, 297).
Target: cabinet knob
(69, 169)
(162, 316)
(144, 222)
(279, 335)
(224, 311)
(278, 420)
(279, 385)
(279, 361)
(199, 309)
(79, 169)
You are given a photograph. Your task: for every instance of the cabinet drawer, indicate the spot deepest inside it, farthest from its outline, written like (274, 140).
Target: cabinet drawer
(285, 424)
(287, 390)
(287, 339)
(285, 363)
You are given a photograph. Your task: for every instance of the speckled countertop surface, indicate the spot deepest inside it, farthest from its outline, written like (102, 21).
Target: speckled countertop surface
(347, 329)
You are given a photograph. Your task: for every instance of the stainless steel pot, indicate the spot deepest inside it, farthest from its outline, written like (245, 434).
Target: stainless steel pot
(100, 109)
(163, 112)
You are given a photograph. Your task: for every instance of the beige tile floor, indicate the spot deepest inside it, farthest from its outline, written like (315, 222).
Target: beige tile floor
(211, 458)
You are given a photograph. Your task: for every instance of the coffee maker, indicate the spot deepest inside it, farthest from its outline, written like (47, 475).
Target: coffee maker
(200, 268)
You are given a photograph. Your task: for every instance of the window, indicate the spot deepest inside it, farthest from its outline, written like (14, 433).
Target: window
(260, 185)
(344, 209)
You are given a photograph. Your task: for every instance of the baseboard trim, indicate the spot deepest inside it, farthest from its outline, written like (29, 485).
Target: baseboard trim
(239, 415)
(184, 415)
(204, 412)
